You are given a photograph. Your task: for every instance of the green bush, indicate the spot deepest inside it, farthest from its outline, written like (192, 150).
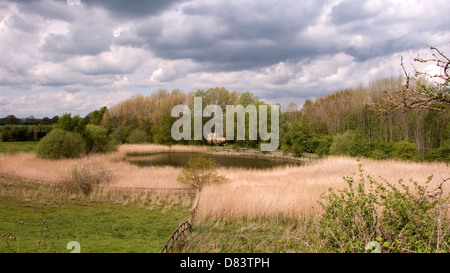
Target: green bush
(352, 143)
(432, 155)
(405, 150)
(118, 135)
(97, 139)
(321, 145)
(71, 124)
(199, 172)
(444, 151)
(342, 143)
(378, 154)
(161, 132)
(297, 140)
(402, 217)
(61, 144)
(138, 136)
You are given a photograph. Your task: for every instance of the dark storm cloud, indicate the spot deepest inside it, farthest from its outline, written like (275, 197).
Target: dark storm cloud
(351, 11)
(135, 8)
(232, 36)
(281, 49)
(50, 9)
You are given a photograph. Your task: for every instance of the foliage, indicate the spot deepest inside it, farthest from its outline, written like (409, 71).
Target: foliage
(61, 144)
(405, 150)
(14, 133)
(444, 151)
(378, 154)
(138, 136)
(199, 172)
(161, 133)
(350, 143)
(321, 145)
(97, 139)
(402, 217)
(96, 117)
(342, 143)
(71, 124)
(71, 138)
(12, 120)
(297, 140)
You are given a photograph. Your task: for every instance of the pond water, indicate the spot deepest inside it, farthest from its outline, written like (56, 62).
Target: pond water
(229, 161)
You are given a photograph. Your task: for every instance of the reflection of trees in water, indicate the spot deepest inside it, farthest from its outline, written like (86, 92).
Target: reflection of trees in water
(180, 160)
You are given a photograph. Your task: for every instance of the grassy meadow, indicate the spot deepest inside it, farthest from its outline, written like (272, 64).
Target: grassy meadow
(101, 222)
(16, 147)
(272, 210)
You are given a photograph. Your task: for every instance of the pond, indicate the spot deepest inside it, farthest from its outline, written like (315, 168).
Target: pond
(228, 161)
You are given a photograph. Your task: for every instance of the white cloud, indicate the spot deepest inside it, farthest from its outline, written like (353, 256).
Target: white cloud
(119, 60)
(77, 58)
(172, 70)
(48, 103)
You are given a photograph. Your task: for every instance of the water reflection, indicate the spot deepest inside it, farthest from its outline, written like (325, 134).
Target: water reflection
(229, 161)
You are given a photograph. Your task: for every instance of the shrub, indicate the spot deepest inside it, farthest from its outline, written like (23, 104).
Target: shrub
(61, 144)
(352, 143)
(342, 143)
(321, 145)
(405, 150)
(297, 140)
(200, 171)
(118, 135)
(71, 124)
(378, 154)
(137, 136)
(97, 139)
(432, 155)
(400, 217)
(444, 151)
(83, 178)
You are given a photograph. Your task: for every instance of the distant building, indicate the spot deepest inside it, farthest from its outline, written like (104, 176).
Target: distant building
(214, 138)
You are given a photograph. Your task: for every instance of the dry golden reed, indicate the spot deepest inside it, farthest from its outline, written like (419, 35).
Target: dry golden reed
(295, 191)
(280, 192)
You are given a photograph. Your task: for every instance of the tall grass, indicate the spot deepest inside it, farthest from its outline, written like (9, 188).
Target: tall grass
(295, 191)
(154, 148)
(250, 194)
(123, 174)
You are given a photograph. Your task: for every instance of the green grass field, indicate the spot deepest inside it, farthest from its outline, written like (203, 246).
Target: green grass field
(99, 226)
(15, 147)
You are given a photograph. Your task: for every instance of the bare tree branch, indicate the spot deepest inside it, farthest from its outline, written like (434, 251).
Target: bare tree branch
(417, 92)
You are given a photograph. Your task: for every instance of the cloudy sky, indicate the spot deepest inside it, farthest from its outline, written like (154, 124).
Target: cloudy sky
(57, 58)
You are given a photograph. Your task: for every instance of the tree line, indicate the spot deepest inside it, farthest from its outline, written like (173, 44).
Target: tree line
(404, 117)
(350, 122)
(347, 122)
(148, 118)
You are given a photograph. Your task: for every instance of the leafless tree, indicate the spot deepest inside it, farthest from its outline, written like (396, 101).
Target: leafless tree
(423, 90)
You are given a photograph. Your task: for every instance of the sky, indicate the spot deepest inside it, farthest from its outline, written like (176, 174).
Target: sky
(56, 57)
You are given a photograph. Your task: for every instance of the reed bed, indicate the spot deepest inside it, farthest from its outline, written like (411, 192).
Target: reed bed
(122, 174)
(154, 148)
(250, 194)
(295, 191)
